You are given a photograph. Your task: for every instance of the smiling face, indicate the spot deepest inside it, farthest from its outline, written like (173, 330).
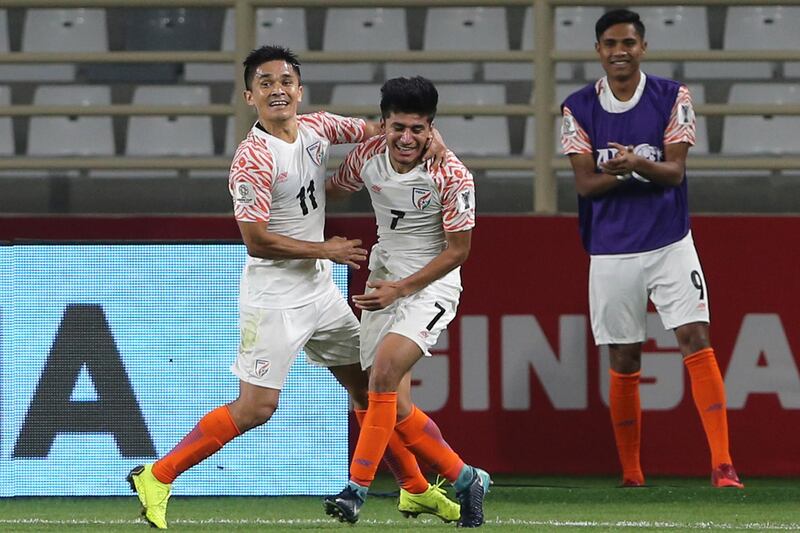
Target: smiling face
(407, 135)
(275, 92)
(621, 48)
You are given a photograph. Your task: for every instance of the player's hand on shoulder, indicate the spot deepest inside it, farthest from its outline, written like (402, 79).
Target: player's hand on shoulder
(435, 150)
(384, 294)
(345, 251)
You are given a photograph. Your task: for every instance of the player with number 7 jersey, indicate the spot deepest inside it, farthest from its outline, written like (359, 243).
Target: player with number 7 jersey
(425, 221)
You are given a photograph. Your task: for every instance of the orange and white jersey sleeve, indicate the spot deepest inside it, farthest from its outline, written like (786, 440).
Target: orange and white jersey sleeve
(337, 129)
(457, 193)
(574, 139)
(682, 127)
(250, 181)
(348, 176)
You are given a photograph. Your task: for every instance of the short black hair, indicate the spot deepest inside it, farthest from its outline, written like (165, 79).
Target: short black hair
(409, 95)
(619, 16)
(261, 55)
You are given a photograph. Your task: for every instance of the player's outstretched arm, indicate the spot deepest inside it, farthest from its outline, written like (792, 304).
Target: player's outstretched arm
(262, 243)
(386, 292)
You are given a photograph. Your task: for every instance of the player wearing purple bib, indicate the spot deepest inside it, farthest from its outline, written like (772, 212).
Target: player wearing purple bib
(627, 137)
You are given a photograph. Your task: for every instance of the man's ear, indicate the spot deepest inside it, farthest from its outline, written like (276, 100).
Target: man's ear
(383, 125)
(300, 94)
(248, 97)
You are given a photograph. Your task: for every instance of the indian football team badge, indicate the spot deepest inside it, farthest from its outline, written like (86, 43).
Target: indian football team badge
(315, 152)
(245, 194)
(421, 198)
(262, 367)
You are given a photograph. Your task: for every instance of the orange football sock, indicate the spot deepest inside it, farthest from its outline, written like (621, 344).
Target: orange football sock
(211, 433)
(376, 429)
(626, 417)
(401, 462)
(421, 435)
(708, 391)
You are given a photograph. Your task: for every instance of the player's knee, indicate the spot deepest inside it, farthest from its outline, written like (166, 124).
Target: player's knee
(256, 414)
(692, 338)
(359, 397)
(383, 379)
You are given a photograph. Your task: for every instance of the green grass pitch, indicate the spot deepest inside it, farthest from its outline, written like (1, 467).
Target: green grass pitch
(516, 503)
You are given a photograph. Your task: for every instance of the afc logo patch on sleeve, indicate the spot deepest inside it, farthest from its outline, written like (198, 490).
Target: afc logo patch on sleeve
(568, 128)
(245, 193)
(685, 114)
(466, 200)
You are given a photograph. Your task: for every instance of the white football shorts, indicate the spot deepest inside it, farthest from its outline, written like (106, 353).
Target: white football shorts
(619, 286)
(271, 338)
(420, 317)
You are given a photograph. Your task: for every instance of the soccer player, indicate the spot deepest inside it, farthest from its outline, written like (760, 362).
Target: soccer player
(277, 181)
(425, 220)
(627, 137)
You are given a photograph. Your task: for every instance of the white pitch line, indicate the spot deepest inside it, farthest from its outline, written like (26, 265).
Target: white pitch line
(589, 524)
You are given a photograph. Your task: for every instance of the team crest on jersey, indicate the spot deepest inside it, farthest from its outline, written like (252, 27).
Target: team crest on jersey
(421, 198)
(315, 153)
(245, 194)
(262, 367)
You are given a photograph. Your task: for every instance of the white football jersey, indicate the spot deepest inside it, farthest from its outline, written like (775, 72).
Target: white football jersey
(283, 185)
(413, 210)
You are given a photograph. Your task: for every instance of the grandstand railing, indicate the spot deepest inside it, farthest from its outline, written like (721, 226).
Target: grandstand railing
(542, 58)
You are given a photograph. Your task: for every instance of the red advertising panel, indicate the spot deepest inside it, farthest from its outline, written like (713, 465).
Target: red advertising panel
(517, 385)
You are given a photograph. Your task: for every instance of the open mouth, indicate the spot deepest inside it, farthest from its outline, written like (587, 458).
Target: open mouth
(406, 150)
(279, 104)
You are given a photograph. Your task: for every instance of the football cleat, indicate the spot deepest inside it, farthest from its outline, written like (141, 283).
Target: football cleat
(345, 506)
(471, 499)
(632, 483)
(152, 494)
(433, 501)
(725, 476)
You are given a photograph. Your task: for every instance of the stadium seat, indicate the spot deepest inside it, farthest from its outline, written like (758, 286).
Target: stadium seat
(68, 136)
(791, 69)
(161, 29)
(355, 94)
(6, 129)
(4, 38)
(161, 136)
(752, 28)
(283, 26)
(764, 134)
(574, 30)
(347, 29)
(58, 30)
(473, 28)
(474, 135)
(673, 28)
(65, 30)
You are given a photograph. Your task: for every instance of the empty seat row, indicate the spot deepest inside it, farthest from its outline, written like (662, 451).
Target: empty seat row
(468, 135)
(478, 28)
